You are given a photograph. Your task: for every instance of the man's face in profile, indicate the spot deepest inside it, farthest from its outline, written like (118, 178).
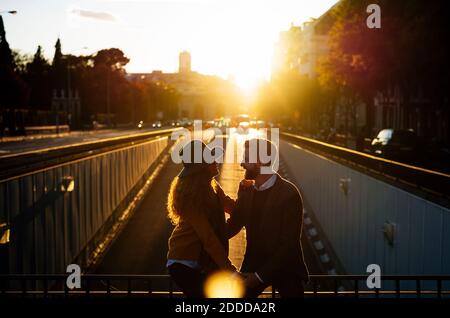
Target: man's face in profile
(213, 169)
(251, 169)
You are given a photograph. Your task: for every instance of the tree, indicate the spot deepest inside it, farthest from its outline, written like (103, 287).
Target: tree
(6, 56)
(114, 59)
(109, 67)
(13, 89)
(57, 57)
(38, 79)
(58, 69)
(405, 53)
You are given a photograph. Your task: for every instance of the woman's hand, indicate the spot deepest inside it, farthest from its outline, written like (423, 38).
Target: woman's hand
(246, 184)
(228, 204)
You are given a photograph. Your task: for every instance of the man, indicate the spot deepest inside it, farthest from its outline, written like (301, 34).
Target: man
(272, 213)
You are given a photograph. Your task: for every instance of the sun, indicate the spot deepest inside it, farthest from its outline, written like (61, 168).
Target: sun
(247, 83)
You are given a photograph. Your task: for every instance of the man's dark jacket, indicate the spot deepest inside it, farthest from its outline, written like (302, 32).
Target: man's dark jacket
(274, 248)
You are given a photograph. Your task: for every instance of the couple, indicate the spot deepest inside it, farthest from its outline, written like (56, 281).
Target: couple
(268, 206)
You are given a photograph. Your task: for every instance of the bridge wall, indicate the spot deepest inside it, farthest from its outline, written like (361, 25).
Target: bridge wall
(354, 221)
(50, 226)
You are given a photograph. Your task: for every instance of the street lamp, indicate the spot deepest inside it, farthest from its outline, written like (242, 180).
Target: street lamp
(10, 12)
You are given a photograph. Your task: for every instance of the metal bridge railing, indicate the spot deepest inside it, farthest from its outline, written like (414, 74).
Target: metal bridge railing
(434, 183)
(320, 286)
(28, 162)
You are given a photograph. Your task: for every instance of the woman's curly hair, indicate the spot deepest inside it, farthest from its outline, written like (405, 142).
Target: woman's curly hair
(189, 193)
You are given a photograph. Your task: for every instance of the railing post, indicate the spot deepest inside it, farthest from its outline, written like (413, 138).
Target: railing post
(45, 282)
(439, 288)
(418, 292)
(335, 287)
(356, 288)
(24, 286)
(108, 287)
(397, 287)
(315, 288)
(3, 285)
(149, 287)
(87, 286)
(65, 289)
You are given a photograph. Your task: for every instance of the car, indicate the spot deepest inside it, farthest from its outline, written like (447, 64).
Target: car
(396, 144)
(140, 124)
(243, 127)
(172, 123)
(185, 122)
(236, 120)
(208, 124)
(157, 124)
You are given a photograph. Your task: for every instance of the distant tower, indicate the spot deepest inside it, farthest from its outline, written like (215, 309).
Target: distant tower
(184, 62)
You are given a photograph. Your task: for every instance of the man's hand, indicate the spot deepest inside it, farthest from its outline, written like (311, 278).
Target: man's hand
(228, 204)
(246, 184)
(240, 275)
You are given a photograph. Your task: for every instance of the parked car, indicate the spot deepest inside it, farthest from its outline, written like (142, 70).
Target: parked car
(396, 144)
(185, 122)
(157, 124)
(171, 123)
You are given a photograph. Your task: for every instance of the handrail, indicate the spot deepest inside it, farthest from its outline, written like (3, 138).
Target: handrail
(314, 288)
(146, 276)
(14, 165)
(43, 151)
(435, 183)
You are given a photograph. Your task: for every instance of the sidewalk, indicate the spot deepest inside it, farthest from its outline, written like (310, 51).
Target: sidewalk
(73, 133)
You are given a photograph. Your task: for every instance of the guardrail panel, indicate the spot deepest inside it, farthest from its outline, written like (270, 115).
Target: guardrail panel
(13, 208)
(361, 207)
(39, 235)
(51, 225)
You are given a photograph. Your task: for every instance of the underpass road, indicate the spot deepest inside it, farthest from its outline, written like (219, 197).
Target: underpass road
(141, 247)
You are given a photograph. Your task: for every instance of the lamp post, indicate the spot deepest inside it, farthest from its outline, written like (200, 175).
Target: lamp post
(108, 107)
(9, 11)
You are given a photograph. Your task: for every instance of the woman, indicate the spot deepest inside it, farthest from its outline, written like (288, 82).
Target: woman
(196, 205)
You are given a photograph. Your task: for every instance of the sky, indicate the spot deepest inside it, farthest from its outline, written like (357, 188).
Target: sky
(228, 38)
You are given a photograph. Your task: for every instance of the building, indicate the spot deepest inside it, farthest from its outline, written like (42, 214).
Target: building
(314, 46)
(393, 109)
(287, 50)
(67, 103)
(184, 63)
(302, 47)
(201, 96)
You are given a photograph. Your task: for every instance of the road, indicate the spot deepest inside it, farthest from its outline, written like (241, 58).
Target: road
(74, 137)
(141, 247)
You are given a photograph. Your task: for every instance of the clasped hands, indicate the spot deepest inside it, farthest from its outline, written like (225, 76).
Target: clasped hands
(250, 279)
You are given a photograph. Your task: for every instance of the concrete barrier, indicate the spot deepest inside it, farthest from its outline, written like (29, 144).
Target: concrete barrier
(56, 216)
(368, 221)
